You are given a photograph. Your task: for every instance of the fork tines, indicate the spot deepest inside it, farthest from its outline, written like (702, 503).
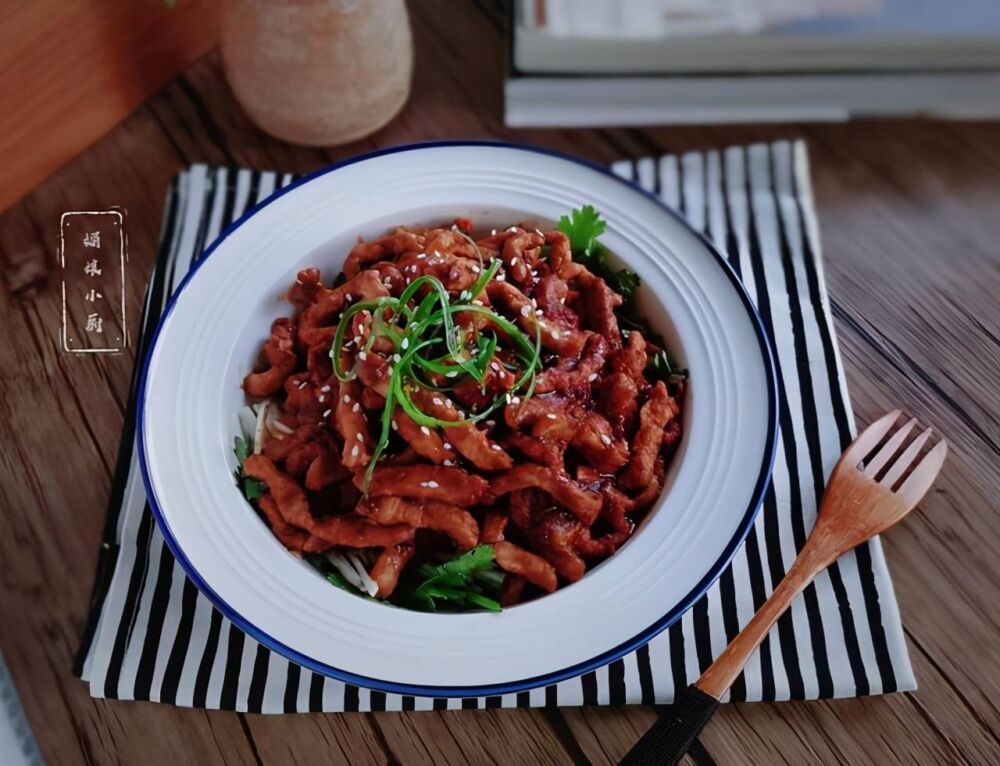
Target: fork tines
(897, 459)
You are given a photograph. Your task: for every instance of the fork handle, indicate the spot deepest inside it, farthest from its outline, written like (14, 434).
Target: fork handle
(669, 738)
(674, 732)
(727, 666)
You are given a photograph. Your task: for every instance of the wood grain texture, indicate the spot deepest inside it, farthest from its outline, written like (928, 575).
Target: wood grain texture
(69, 72)
(907, 211)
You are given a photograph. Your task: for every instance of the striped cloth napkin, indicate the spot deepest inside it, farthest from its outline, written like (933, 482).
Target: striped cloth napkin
(153, 636)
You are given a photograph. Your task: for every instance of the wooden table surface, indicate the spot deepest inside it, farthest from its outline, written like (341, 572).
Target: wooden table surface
(908, 212)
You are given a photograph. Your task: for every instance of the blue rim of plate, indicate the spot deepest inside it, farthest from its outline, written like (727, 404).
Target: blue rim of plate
(509, 687)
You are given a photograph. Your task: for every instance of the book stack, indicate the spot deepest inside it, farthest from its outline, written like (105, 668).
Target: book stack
(643, 62)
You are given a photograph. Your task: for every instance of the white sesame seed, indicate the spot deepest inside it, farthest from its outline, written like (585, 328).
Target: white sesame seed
(362, 355)
(349, 297)
(326, 413)
(448, 462)
(451, 374)
(396, 357)
(433, 484)
(592, 377)
(493, 232)
(447, 445)
(325, 389)
(513, 261)
(555, 335)
(550, 415)
(465, 295)
(347, 398)
(359, 437)
(538, 312)
(606, 439)
(425, 430)
(478, 302)
(356, 407)
(507, 398)
(321, 398)
(495, 446)
(437, 401)
(525, 310)
(405, 344)
(388, 373)
(501, 277)
(357, 339)
(395, 426)
(494, 366)
(461, 413)
(475, 268)
(512, 228)
(355, 451)
(539, 232)
(421, 256)
(491, 423)
(303, 384)
(515, 400)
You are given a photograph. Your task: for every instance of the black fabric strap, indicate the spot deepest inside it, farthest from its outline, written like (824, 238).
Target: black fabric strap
(671, 736)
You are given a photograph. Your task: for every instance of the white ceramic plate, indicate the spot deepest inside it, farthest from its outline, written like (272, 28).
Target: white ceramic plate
(212, 331)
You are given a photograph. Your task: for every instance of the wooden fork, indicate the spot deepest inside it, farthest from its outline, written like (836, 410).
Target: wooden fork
(875, 483)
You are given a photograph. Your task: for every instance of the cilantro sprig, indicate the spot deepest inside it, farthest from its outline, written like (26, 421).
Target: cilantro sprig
(583, 226)
(252, 488)
(469, 581)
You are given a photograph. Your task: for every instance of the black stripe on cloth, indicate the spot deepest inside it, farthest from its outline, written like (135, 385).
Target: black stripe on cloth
(646, 688)
(234, 664)
(258, 680)
(863, 552)
(351, 698)
(814, 453)
(616, 683)
(377, 701)
(316, 693)
(493, 701)
(551, 696)
(589, 683)
(523, 699)
(409, 702)
(772, 535)
(470, 703)
(178, 650)
(154, 625)
(440, 703)
(293, 676)
(137, 580)
(204, 673)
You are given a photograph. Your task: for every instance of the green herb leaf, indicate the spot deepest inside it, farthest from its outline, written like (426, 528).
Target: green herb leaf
(466, 565)
(467, 581)
(252, 488)
(241, 449)
(583, 226)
